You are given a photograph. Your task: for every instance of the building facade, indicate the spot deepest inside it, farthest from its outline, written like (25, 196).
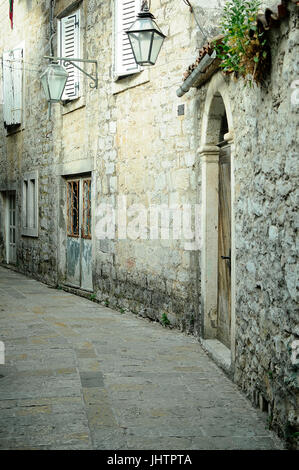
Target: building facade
(175, 203)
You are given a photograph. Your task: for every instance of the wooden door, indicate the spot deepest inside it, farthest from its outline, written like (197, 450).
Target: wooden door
(86, 242)
(79, 243)
(224, 248)
(73, 233)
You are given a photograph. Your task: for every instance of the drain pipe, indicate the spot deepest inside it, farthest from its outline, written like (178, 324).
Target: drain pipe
(193, 77)
(52, 30)
(52, 34)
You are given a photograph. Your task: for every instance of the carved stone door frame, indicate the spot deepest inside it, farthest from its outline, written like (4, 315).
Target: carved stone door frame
(217, 104)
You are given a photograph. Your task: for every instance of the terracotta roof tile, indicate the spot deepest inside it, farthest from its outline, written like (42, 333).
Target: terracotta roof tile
(206, 49)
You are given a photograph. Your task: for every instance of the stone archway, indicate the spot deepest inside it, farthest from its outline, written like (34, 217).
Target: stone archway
(217, 125)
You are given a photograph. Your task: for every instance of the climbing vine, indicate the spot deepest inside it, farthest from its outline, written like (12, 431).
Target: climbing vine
(244, 48)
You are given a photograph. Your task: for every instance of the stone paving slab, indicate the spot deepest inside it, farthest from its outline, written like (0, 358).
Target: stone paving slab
(78, 375)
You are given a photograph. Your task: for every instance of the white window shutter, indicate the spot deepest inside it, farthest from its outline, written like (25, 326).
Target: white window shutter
(18, 85)
(30, 204)
(125, 14)
(69, 46)
(12, 86)
(7, 88)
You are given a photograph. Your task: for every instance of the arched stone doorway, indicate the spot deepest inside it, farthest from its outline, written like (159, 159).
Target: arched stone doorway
(217, 193)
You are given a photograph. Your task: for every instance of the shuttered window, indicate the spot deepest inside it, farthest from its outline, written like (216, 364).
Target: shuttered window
(125, 14)
(12, 86)
(69, 46)
(30, 204)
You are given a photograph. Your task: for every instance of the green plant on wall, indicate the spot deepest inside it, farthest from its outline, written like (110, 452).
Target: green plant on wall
(164, 320)
(244, 49)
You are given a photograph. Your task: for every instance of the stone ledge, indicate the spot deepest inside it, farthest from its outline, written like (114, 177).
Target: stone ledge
(131, 81)
(218, 352)
(75, 167)
(70, 106)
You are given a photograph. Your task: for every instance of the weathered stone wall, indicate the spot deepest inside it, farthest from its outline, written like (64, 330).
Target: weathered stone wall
(265, 172)
(151, 277)
(31, 146)
(266, 167)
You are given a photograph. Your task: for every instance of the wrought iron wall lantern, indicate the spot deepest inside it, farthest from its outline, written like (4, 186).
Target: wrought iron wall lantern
(53, 81)
(55, 77)
(145, 37)
(72, 61)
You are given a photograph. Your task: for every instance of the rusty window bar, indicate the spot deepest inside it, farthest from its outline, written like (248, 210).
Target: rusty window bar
(86, 227)
(73, 208)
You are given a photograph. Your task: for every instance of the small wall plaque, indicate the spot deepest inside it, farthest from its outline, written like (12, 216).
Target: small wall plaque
(181, 109)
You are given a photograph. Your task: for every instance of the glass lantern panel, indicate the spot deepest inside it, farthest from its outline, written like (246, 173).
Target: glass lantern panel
(135, 44)
(56, 81)
(53, 82)
(56, 88)
(145, 45)
(157, 44)
(141, 44)
(44, 80)
(144, 24)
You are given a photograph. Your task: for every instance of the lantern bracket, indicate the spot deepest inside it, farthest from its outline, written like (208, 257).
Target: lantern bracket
(72, 60)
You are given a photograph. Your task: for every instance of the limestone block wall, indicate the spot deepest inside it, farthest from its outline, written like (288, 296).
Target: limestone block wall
(147, 155)
(31, 146)
(265, 171)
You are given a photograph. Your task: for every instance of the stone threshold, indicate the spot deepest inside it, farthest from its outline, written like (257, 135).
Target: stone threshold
(77, 291)
(12, 267)
(219, 353)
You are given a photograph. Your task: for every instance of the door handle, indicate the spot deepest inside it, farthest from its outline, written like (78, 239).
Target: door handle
(229, 260)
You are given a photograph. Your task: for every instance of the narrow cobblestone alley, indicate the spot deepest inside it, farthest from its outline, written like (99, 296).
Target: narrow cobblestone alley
(81, 376)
